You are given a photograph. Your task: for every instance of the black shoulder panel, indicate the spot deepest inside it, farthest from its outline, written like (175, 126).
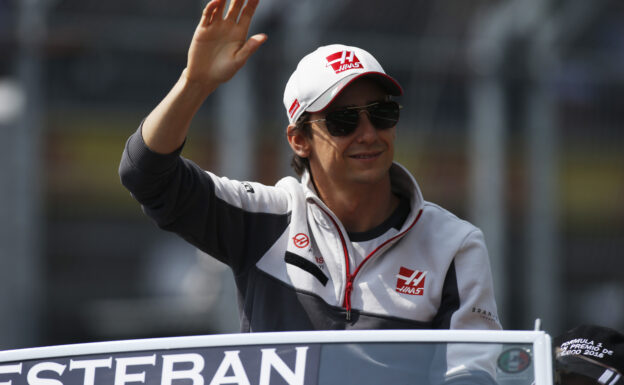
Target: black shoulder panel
(306, 265)
(450, 300)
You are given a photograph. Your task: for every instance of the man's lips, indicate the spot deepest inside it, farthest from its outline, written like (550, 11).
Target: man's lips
(366, 155)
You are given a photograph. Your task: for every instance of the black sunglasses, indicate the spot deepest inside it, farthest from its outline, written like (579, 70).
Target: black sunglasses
(344, 121)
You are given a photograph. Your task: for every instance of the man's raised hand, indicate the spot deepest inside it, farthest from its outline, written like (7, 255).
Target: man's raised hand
(220, 46)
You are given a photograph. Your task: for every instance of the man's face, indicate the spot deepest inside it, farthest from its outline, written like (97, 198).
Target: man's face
(360, 159)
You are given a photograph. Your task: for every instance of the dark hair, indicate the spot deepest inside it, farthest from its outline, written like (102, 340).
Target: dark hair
(298, 163)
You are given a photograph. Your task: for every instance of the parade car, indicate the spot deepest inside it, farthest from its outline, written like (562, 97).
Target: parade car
(370, 357)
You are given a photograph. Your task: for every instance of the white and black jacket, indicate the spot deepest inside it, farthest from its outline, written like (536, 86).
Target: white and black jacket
(292, 258)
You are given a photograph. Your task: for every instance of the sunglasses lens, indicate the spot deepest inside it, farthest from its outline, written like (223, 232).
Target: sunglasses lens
(384, 115)
(343, 122)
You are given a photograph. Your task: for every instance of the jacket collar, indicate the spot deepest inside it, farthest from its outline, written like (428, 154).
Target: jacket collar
(401, 180)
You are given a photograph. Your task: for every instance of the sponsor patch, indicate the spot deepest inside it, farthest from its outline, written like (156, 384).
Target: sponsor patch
(410, 282)
(248, 187)
(293, 108)
(301, 240)
(485, 314)
(343, 61)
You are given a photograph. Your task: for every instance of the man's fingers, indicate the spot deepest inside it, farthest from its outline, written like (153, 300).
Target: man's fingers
(209, 11)
(247, 14)
(251, 46)
(215, 8)
(235, 7)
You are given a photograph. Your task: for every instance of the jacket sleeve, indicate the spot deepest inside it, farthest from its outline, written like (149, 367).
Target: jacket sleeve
(227, 219)
(476, 307)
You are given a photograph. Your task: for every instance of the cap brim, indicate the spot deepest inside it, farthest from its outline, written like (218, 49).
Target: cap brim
(390, 85)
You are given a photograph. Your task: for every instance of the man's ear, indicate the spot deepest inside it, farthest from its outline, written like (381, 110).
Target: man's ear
(298, 141)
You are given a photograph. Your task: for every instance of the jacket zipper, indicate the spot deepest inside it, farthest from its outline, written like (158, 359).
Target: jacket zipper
(351, 277)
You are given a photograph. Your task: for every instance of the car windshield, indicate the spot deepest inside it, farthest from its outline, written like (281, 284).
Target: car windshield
(426, 363)
(306, 358)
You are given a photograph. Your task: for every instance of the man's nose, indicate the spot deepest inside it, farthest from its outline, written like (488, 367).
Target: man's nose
(365, 129)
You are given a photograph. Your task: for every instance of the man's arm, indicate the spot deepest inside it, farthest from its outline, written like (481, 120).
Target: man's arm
(176, 193)
(476, 309)
(219, 48)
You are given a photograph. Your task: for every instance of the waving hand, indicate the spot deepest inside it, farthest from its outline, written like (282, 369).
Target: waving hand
(218, 50)
(220, 46)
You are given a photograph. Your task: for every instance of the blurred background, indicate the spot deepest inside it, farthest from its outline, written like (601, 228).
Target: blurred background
(513, 119)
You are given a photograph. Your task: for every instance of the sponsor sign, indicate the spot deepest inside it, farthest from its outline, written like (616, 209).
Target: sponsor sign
(243, 365)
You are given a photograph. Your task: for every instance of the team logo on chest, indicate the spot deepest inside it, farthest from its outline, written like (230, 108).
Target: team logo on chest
(301, 240)
(411, 282)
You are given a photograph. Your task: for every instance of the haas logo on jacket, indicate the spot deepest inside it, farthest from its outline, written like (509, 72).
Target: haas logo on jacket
(301, 240)
(410, 282)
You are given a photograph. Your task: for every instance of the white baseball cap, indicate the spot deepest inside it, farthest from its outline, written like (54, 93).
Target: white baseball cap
(322, 74)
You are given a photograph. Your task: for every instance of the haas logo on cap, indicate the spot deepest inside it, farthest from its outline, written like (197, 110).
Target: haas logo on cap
(343, 61)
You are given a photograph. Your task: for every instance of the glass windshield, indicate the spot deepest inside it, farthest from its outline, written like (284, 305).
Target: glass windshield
(426, 363)
(297, 363)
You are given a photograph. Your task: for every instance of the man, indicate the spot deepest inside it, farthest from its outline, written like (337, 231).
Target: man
(589, 355)
(352, 245)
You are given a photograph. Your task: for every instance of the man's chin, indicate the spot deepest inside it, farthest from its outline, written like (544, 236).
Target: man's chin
(370, 176)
